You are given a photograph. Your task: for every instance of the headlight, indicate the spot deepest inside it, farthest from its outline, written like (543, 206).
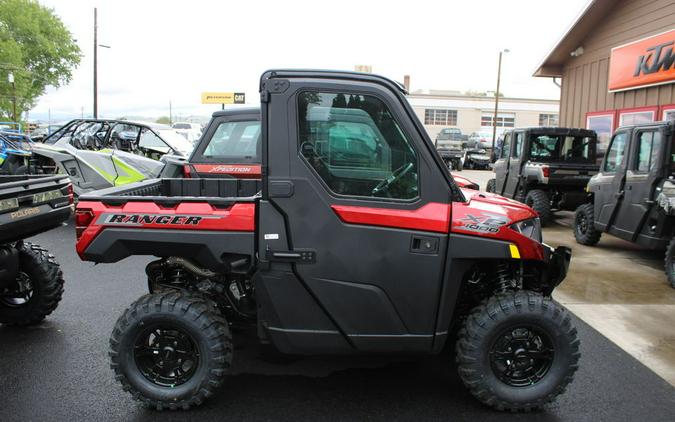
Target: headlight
(530, 228)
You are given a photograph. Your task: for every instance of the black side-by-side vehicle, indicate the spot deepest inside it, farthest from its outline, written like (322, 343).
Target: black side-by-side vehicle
(359, 242)
(633, 195)
(546, 168)
(31, 283)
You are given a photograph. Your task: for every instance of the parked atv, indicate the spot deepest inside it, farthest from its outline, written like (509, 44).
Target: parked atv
(476, 159)
(98, 154)
(341, 253)
(15, 154)
(31, 282)
(633, 195)
(545, 168)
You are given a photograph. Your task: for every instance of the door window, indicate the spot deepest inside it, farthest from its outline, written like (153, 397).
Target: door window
(616, 152)
(356, 146)
(649, 145)
(234, 140)
(517, 145)
(506, 146)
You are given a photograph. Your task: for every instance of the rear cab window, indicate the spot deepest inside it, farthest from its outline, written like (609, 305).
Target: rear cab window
(231, 142)
(577, 149)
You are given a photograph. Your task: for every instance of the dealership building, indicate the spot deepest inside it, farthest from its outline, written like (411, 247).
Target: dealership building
(616, 65)
(442, 109)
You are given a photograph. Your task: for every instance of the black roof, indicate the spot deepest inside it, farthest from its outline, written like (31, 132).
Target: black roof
(238, 111)
(548, 130)
(331, 74)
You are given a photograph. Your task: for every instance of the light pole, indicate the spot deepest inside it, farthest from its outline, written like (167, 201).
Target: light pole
(10, 79)
(494, 118)
(96, 46)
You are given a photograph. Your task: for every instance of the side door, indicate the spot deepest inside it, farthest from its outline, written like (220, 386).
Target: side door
(513, 173)
(365, 209)
(608, 186)
(230, 147)
(501, 166)
(645, 169)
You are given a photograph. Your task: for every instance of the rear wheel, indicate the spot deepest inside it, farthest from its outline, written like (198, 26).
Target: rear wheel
(171, 350)
(517, 351)
(584, 228)
(38, 288)
(539, 201)
(491, 186)
(670, 263)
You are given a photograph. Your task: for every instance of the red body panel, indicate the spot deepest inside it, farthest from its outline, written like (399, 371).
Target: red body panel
(456, 218)
(184, 216)
(482, 206)
(433, 217)
(240, 171)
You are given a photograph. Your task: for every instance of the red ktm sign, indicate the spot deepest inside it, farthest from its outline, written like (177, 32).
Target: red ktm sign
(647, 62)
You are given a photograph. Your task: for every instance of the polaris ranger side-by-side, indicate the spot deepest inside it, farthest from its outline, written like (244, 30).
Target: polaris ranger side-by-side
(546, 168)
(633, 195)
(31, 283)
(360, 242)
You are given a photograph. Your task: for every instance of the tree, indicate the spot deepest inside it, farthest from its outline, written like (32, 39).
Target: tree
(164, 120)
(37, 48)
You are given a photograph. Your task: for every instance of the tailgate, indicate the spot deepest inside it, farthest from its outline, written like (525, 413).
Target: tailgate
(32, 204)
(573, 174)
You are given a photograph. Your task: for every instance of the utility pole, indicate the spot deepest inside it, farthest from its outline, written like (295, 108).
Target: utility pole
(10, 79)
(494, 118)
(96, 46)
(96, 66)
(170, 115)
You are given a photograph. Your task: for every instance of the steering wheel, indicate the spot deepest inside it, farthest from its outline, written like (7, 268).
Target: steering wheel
(395, 176)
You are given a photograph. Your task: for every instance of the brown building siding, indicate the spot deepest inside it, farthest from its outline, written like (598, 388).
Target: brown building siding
(584, 79)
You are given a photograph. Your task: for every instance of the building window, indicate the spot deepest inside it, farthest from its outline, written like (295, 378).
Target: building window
(503, 120)
(439, 117)
(603, 125)
(668, 113)
(549, 120)
(635, 117)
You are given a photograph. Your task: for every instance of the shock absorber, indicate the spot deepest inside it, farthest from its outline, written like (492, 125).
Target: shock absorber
(504, 277)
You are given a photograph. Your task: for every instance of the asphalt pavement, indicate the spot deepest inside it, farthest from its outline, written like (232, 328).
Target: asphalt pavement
(59, 371)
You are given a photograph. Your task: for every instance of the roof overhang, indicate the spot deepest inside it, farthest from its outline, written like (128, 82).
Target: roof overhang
(589, 18)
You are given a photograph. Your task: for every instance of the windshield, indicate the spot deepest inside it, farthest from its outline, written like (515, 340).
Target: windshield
(580, 149)
(176, 141)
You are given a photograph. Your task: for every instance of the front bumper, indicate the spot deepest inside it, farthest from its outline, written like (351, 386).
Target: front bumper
(557, 262)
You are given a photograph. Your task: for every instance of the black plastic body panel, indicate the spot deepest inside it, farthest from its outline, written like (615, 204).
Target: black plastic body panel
(30, 218)
(173, 191)
(206, 248)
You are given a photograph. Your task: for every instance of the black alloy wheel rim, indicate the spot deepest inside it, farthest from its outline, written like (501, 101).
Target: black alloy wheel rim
(521, 356)
(582, 223)
(166, 356)
(19, 294)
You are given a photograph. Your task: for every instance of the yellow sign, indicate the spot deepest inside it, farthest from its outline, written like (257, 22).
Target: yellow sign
(223, 98)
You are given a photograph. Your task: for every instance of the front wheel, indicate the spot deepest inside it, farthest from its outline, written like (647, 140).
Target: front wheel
(171, 350)
(670, 263)
(37, 290)
(584, 226)
(517, 351)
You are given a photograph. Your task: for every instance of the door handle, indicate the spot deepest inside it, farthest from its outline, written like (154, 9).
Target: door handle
(424, 244)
